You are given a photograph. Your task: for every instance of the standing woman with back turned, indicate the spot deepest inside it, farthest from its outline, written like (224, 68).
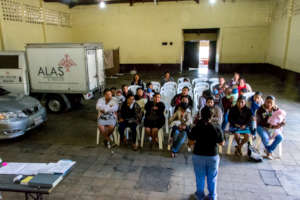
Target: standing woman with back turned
(205, 158)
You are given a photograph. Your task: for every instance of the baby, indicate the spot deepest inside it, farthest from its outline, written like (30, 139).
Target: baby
(277, 117)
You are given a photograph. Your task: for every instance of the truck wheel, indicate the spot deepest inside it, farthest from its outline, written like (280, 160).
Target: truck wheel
(55, 104)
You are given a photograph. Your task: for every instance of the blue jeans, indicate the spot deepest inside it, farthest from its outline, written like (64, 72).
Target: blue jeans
(265, 137)
(178, 139)
(206, 166)
(225, 120)
(123, 125)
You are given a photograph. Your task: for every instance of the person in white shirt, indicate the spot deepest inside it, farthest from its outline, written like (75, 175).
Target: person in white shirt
(107, 117)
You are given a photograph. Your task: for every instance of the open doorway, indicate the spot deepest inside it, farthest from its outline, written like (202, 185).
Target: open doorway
(200, 50)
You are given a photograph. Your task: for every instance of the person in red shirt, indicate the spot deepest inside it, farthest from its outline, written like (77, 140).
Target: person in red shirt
(242, 85)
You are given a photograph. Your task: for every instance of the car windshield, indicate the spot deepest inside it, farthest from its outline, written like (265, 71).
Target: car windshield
(3, 92)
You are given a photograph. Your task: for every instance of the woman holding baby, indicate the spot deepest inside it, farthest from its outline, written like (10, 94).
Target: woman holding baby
(270, 122)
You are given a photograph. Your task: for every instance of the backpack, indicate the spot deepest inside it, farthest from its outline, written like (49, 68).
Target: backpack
(253, 154)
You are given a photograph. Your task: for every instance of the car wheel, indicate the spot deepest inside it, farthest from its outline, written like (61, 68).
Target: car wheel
(55, 104)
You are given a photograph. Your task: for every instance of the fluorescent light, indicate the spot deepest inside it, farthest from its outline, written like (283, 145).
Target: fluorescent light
(212, 1)
(102, 5)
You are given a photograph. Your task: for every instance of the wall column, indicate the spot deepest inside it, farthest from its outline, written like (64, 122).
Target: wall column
(44, 21)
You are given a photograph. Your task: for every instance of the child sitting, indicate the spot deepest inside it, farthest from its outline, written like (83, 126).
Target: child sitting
(278, 117)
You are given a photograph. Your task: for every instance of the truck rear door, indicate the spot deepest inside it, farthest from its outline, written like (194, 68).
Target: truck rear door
(92, 69)
(13, 74)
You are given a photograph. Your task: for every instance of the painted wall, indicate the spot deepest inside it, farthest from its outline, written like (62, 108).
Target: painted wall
(17, 34)
(284, 39)
(139, 30)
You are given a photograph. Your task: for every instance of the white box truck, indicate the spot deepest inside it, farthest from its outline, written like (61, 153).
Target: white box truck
(60, 75)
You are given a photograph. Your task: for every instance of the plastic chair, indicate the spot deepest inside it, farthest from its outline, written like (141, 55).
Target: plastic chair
(170, 84)
(230, 141)
(212, 85)
(200, 79)
(182, 85)
(181, 80)
(116, 136)
(156, 86)
(167, 94)
(160, 138)
(202, 84)
(249, 87)
(133, 88)
(213, 80)
(248, 95)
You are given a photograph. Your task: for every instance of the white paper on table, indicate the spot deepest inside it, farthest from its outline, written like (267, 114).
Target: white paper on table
(12, 168)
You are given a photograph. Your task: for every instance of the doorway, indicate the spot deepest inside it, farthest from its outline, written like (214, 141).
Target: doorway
(200, 49)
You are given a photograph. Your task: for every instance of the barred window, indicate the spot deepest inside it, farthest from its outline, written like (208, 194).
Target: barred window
(12, 10)
(65, 19)
(33, 14)
(296, 7)
(52, 17)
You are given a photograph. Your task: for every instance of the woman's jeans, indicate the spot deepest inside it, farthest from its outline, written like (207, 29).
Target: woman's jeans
(206, 167)
(178, 139)
(225, 120)
(265, 137)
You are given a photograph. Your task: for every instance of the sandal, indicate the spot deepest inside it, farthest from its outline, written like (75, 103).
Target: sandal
(173, 154)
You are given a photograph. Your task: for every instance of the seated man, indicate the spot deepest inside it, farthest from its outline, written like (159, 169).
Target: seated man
(130, 116)
(240, 121)
(180, 122)
(254, 103)
(167, 78)
(202, 99)
(154, 117)
(226, 105)
(177, 99)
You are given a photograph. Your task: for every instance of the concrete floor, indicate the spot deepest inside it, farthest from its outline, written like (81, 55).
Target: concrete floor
(152, 174)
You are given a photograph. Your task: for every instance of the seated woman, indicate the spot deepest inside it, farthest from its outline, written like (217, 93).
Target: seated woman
(180, 123)
(242, 86)
(264, 128)
(107, 117)
(141, 99)
(137, 81)
(167, 78)
(240, 121)
(154, 117)
(130, 116)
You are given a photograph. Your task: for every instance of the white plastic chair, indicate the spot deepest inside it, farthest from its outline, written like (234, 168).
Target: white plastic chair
(170, 84)
(133, 88)
(212, 85)
(200, 79)
(116, 136)
(180, 80)
(249, 87)
(230, 141)
(213, 80)
(167, 94)
(248, 95)
(156, 86)
(182, 85)
(202, 85)
(160, 138)
(197, 94)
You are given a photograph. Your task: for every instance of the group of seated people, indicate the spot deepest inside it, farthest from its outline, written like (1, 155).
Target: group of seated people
(227, 100)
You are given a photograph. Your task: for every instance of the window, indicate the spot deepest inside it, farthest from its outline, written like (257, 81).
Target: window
(9, 61)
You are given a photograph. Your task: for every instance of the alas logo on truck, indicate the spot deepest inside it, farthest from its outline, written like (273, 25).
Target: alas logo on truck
(67, 62)
(57, 71)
